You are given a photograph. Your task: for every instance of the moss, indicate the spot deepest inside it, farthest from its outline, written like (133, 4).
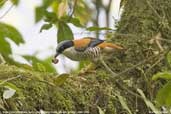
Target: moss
(36, 91)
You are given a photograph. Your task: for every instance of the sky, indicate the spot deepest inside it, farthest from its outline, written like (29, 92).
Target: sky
(42, 44)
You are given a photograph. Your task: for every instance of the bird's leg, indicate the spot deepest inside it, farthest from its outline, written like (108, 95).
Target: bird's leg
(107, 67)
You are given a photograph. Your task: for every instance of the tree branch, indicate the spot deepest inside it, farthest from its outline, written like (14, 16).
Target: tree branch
(74, 6)
(9, 79)
(9, 9)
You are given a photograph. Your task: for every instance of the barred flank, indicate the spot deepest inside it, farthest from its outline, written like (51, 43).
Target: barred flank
(92, 53)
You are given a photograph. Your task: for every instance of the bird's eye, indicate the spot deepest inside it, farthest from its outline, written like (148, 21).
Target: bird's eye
(62, 48)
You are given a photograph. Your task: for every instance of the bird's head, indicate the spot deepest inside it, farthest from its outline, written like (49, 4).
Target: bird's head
(61, 47)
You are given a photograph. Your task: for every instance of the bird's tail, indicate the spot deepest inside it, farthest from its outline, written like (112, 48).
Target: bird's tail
(110, 45)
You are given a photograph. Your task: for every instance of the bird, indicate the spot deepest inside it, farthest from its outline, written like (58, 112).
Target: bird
(86, 48)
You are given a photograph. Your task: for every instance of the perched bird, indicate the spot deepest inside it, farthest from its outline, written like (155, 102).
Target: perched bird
(84, 49)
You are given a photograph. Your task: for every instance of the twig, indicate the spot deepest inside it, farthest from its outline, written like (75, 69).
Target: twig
(106, 32)
(75, 3)
(128, 90)
(9, 79)
(158, 42)
(133, 67)
(46, 82)
(157, 14)
(149, 4)
(6, 12)
(107, 67)
(158, 61)
(42, 81)
(115, 75)
(166, 40)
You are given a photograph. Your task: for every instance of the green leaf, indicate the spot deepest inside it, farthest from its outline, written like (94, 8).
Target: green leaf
(147, 102)
(83, 11)
(64, 32)
(94, 28)
(50, 17)
(5, 48)
(82, 64)
(13, 62)
(40, 65)
(163, 75)
(10, 32)
(100, 110)
(163, 97)
(15, 2)
(8, 93)
(123, 103)
(2, 83)
(169, 58)
(47, 3)
(45, 27)
(39, 13)
(7, 31)
(2, 2)
(74, 21)
(59, 80)
(55, 5)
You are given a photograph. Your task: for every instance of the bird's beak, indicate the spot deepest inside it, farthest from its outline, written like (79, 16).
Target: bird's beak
(56, 55)
(55, 60)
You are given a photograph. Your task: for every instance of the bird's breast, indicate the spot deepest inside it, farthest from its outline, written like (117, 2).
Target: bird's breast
(89, 53)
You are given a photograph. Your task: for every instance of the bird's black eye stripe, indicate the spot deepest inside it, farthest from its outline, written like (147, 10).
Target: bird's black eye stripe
(64, 45)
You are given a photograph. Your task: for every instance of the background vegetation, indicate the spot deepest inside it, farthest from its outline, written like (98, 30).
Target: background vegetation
(143, 83)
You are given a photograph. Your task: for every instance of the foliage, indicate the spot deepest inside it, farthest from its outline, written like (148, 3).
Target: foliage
(14, 2)
(123, 103)
(12, 33)
(147, 102)
(40, 65)
(98, 28)
(163, 75)
(168, 57)
(60, 17)
(164, 93)
(59, 80)
(8, 32)
(64, 32)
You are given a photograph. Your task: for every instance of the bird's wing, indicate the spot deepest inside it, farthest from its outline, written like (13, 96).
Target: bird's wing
(110, 45)
(84, 43)
(94, 42)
